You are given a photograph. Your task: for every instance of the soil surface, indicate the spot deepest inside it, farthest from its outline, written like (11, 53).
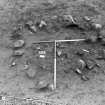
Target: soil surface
(80, 65)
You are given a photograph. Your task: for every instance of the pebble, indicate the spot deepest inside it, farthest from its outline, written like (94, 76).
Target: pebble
(19, 44)
(42, 24)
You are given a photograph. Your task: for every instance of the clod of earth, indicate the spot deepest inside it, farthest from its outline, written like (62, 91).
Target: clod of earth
(18, 43)
(31, 73)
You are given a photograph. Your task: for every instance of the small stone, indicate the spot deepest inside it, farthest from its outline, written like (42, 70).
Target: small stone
(92, 39)
(54, 17)
(97, 26)
(18, 52)
(42, 84)
(19, 44)
(51, 86)
(13, 64)
(87, 18)
(81, 64)
(59, 53)
(26, 67)
(85, 78)
(33, 28)
(69, 19)
(90, 64)
(78, 71)
(42, 24)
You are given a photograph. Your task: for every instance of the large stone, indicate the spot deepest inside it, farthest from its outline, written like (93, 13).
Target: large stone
(19, 43)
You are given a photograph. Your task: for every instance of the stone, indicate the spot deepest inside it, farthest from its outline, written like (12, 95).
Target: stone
(87, 18)
(90, 64)
(51, 86)
(19, 43)
(92, 39)
(18, 52)
(42, 24)
(42, 84)
(81, 64)
(69, 19)
(96, 26)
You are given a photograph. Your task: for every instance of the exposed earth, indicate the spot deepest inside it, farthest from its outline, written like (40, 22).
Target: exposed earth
(27, 66)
